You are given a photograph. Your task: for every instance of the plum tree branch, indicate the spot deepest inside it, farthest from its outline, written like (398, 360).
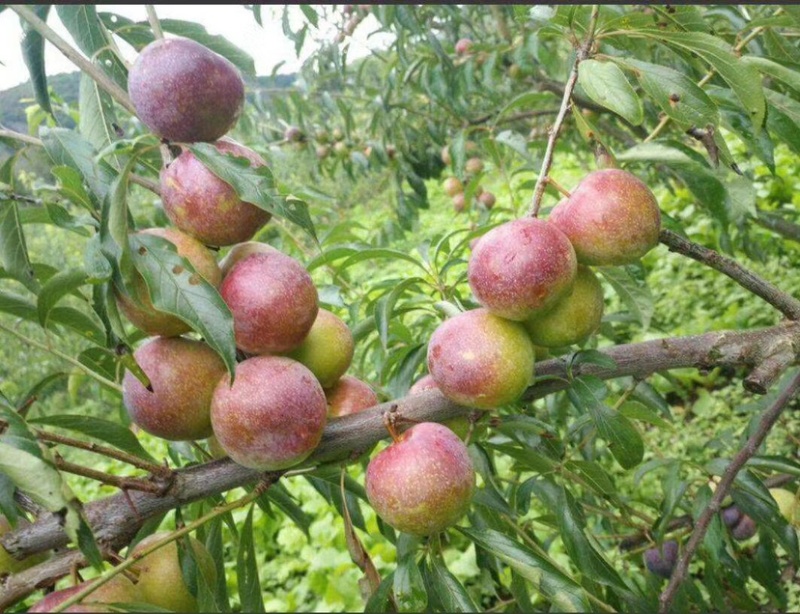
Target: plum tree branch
(547, 162)
(102, 79)
(769, 418)
(116, 519)
(778, 224)
(783, 302)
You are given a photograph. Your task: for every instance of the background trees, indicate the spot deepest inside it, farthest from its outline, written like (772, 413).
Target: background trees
(601, 461)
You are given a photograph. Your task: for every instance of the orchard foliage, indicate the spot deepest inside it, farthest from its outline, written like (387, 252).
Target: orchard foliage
(590, 494)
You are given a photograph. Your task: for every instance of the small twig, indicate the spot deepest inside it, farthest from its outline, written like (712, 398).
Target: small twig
(130, 459)
(778, 224)
(122, 483)
(512, 118)
(769, 418)
(155, 24)
(268, 480)
(582, 54)
(783, 302)
(102, 79)
(559, 187)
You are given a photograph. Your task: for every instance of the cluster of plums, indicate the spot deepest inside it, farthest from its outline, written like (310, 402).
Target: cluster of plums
(454, 187)
(661, 560)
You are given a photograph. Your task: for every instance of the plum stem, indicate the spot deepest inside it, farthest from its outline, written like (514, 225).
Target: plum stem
(566, 102)
(155, 24)
(390, 422)
(766, 423)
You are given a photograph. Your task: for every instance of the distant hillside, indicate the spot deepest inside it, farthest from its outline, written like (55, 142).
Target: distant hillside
(12, 109)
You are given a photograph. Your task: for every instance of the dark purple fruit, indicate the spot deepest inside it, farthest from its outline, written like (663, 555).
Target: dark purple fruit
(744, 529)
(730, 516)
(185, 92)
(661, 561)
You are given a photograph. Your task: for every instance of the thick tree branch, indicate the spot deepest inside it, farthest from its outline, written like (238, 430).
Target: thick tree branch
(114, 520)
(769, 418)
(785, 303)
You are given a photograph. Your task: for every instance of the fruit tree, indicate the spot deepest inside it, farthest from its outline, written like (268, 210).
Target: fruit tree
(499, 315)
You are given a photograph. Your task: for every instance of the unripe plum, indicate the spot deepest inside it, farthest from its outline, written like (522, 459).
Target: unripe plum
(341, 149)
(203, 205)
(453, 186)
(349, 396)
(139, 308)
(611, 218)
(423, 482)
(183, 374)
(787, 504)
(459, 202)
(661, 561)
(574, 316)
(327, 350)
(272, 417)
(480, 360)
(10, 565)
(161, 581)
(273, 300)
(473, 166)
(117, 590)
(521, 267)
(446, 158)
(185, 92)
(487, 199)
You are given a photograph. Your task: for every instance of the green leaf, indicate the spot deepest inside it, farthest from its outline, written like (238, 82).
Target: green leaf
(70, 185)
(742, 78)
(768, 517)
(254, 185)
(564, 593)
(176, 288)
(632, 291)
(310, 14)
(783, 119)
(638, 411)
(450, 592)
(216, 548)
(88, 32)
(247, 569)
(596, 477)
(606, 84)
(96, 113)
(13, 248)
(109, 432)
(279, 496)
(78, 321)
(623, 439)
(384, 307)
(677, 95)
(773, 69)
(58, 286)
(571, 527)
(409, 587)
(33, 55)
(68, 148)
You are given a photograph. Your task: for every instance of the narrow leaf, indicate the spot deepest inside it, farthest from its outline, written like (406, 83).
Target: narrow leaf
(58, 286)
(247, 569)
(254, 185)
(33, 55)
(177, 289)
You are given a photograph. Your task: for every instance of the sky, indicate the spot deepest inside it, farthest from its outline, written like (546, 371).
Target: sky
(268, 46)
